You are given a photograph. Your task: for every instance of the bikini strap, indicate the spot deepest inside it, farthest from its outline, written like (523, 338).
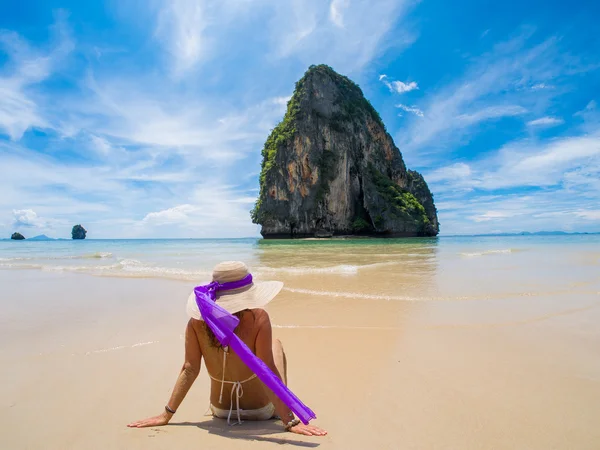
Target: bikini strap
(236, 389)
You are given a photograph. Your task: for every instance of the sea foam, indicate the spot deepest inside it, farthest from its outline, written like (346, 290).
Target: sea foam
(504, 251)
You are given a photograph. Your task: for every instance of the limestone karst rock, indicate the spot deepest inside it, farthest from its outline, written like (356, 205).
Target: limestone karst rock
(331, 168)
(78, 232)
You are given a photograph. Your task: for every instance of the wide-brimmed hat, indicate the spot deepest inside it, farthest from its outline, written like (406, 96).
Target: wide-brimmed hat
(255, 295)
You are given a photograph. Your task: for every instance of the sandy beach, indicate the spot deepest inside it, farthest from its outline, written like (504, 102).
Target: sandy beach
(501, 362)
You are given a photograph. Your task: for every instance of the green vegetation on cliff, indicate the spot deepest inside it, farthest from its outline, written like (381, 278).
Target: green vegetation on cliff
(418, 182)
(280, 135)
(351, 99)
(17, 237)
(402, 202)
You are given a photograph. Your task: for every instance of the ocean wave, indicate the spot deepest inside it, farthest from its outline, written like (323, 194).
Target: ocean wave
(503, 251)
(13, 265)
(334, 327)
(343, 269)
(133, 268)
(96, 255)
(125, 268)
(51, 268)
(136, 269)
(357, 295)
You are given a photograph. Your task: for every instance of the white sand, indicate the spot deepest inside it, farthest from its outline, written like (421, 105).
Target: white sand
(83, 356)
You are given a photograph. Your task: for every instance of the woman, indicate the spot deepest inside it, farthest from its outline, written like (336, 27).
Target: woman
(232, 381)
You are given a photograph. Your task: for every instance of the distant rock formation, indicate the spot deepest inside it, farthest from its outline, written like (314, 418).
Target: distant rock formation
(331, 168)
(41, 237)
(17, 237)
(78, 232)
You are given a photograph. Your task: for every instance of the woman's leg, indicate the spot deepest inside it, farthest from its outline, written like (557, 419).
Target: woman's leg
(280, 359)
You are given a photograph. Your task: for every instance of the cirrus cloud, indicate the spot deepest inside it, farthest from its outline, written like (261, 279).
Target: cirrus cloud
(545, 122)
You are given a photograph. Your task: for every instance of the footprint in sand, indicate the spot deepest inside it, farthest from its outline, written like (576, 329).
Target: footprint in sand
(157, 430)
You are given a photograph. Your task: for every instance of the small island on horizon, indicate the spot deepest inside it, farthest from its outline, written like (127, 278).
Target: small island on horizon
(41, 237)
(78, 232)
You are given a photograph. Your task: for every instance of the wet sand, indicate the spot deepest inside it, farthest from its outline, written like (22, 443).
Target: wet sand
(509, 368)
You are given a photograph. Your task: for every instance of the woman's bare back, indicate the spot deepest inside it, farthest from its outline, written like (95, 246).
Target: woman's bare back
(251, 322)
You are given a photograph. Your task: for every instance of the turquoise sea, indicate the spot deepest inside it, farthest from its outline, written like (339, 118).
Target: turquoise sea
(443, 267)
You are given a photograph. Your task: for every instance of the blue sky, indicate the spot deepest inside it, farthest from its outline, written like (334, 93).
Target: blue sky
(146, 118)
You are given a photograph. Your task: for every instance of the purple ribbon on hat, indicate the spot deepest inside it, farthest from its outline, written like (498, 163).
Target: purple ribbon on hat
(223, 324)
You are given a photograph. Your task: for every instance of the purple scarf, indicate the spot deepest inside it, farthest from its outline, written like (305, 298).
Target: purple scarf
(223, 324)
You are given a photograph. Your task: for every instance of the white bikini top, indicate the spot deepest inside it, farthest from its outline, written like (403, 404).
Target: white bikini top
(236, 388)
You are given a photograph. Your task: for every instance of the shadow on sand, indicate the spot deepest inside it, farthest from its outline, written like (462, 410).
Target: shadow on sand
(250, 431)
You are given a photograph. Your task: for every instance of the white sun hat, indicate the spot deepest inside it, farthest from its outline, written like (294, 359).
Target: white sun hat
(255, 295)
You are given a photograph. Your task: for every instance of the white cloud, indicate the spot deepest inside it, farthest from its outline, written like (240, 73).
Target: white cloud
(194, 31)
(336, 14)
(215, 209)
(540, 86)
(492, 215)
(398, 86)
(103, 146)
(496, 85)
(281, 100)
(453, 172)
(136, 200)
(26, 67)
(512, 212)
(489, 113)
(168, 216)
(17, 112)
(140, 150)
(544, 164)
(354, 31)
(401, 87)
(281, 103)
(545, 122)
(561, 177)
(589, 214)
(27, 218)
(527, 163)
(411, 109)
(180, 27)
(133, 112)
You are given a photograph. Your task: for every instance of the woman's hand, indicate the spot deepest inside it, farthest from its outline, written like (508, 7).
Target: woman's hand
(156, 421)
(308, 430)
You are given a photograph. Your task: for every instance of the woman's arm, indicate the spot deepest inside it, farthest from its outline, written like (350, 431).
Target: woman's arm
(264, 350)
(187, 376)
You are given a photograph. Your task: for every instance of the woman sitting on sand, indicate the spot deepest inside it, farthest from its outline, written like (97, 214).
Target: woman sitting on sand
(232, 381)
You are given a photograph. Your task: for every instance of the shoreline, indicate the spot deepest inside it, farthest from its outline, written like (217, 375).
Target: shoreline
(334, 237)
